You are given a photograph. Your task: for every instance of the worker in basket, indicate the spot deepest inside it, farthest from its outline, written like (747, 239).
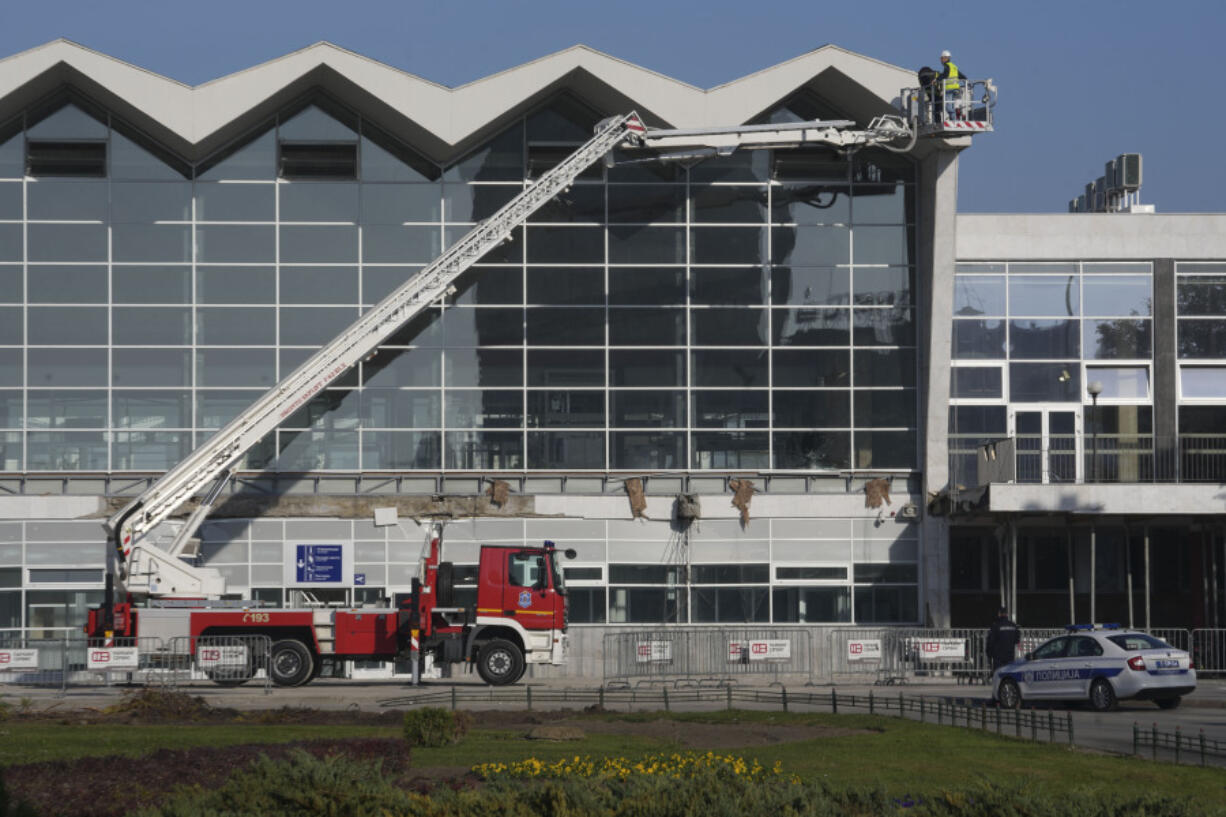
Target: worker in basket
(949, 83)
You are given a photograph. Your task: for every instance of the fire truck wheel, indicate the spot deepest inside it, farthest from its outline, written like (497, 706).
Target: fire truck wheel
(290, 664)
(500, 662)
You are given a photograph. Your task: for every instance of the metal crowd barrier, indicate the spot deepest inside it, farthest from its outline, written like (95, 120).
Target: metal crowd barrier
(229, 661)
(706, 654)
(1209, 651)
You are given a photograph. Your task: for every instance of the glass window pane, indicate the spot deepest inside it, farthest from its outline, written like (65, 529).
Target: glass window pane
(314, 326)
(647, 409)
(730, 450)
(391, 368)
(400, 408)
(11, 411)
(151, 367)
(489, 408)
(646, 327)
(67, 242)
(1044, 295)
(1122, 382)
(316, 450)
(566, 245)
(1117, 339)
(884, 367)
(1031, 340)
(890, 286)
(396, 244)
(215, 408)
(131, 161)
(729, 367)
(480, 327)
(581, 203)
(566, 327)
(812, 327)
(731, 409)
(1112, 295)
(646, 245)
(812, 409)
(379, 282)
(561, 286)
(12, 326)
(729, 327)
(885, 449)
(398, 203)
(66, 451)
(637, 285)
(1201, 294)
(884, 409)
(825, 368)
(11, 286)
(881, 245)
(646, 204)
(236, 367)
(475, 202)
(883, 327)
(566, 449)
(400, 450)
(319, 285)
(883, 204)
(479, 368)
(151, 326)
(1199, 339)
(66, 409)
(64, 284)
(11, 242)
(976, 383)
(806, 286)
(647, 449)
(151, 201)
(68, 122)
(729, 604)
(812, 605)
(149, 450)
(312, 124)
(979, 295)
(319, 201)
(727, 286)
(60, 200)
(647, 367)
(167, 243)
(728, 245)
(319, 245)
(979, 340)
(236, 285)
(1045, 382)
(66, 326)
(810, 246)
(500, 159)
(151, 409)
(229, 243)
(810, 204)
(566, 409)
(235, 202)
(236, 326)
(386, 160)
(151, 285)
(742, 166)
(1198, 382)
(255, 159)
(484, 450)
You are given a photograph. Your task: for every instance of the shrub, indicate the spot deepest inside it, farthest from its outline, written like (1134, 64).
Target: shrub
(433, 727)
(10, 808)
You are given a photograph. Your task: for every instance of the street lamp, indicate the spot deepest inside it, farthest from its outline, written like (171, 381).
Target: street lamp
(1095, 388)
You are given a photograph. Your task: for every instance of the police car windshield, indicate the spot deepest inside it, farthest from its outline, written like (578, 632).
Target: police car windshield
(1138, 641)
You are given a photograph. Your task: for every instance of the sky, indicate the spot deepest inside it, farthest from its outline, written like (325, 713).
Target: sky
(1081, 81)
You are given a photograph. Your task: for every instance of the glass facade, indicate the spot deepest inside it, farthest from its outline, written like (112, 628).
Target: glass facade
(750, 312)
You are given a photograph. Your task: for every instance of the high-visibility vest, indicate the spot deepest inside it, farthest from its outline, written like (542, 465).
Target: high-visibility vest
(951, 82)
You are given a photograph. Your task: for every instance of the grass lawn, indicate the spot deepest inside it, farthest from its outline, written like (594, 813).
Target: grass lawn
(903, 757)
(36, 742)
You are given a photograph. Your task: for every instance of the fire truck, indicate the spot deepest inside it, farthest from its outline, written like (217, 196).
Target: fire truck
(155, 589)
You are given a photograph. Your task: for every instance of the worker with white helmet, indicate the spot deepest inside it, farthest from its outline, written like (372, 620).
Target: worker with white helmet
(949, 83)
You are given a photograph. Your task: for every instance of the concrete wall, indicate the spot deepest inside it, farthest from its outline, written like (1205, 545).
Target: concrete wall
(1090, 236)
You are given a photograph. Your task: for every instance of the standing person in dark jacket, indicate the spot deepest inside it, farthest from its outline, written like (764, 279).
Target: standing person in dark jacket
(1003, 638)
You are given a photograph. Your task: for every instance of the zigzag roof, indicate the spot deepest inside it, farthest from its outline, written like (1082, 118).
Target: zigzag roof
(440, 121)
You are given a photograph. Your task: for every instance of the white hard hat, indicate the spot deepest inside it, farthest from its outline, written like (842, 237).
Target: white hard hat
(945, 54)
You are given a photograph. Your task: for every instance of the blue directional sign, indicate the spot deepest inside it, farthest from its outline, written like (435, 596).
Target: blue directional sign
(359, 579)
(319, 564)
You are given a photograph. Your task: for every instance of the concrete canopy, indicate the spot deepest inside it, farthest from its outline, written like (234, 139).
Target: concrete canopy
(443, 123)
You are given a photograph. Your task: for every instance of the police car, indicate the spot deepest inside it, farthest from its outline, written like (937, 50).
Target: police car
(1102, 665)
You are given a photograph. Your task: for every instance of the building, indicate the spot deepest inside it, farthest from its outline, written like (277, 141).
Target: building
(805, 320)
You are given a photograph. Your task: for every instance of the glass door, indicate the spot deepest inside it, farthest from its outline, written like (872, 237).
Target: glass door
(1048, 444)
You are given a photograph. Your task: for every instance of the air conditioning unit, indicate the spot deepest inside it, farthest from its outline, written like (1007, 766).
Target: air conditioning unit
(1110, 176)
(1128, 166)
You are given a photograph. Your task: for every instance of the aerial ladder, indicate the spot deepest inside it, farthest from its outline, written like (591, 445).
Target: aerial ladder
(145, 569)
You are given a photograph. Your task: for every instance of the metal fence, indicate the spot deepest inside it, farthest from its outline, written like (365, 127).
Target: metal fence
(701, 655)
(1182, 747)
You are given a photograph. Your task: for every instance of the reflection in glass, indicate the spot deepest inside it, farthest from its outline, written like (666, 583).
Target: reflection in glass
(153, 367)
(481, 409)
(566, 409)
(647, 409)
(1038, 340)
(810, 246)
(417, 450)
(649, 286)
(810, 204)
(812, 409)
(647, 449)
(1117, 339)
(566, 449)
(979, 340)
(812, 327)
(813, 450)
(1124, 382)
(646, 327)
(646, 245)
(1040, 295)
(728, 327)
(1111, 295)
(822, 368)
(647, 367)
(812, 605)
(484, 450)
(729, 367)
(1201, 338)
(646, 204)
(977, 383)
(401, 408)
(66, 409)
(1200, 382)
(884, 367)
(66, 284)
(235, 202)
(1045, 382)
(883, 327)
(236, 285)
(730, 409)
(565, 367)
(730, 449)
(979, 295)
(482, 368)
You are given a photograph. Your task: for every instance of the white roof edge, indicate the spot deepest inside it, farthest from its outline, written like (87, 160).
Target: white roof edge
(449, 114)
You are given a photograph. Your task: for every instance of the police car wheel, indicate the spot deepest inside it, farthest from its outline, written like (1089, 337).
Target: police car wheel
(1168, 703)
(1102, 696)
(1009, 696)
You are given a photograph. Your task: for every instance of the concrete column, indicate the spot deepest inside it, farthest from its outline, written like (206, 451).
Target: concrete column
(1166, 394)
(938, 201)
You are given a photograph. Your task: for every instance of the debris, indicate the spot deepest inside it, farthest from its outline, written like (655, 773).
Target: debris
(742, 495)
(876, 490)
(499, 492)
(638, 500)
(687, 509)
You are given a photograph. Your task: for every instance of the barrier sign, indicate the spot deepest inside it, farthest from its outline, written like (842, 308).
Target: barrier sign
(940, 649)
(775, 649)
(653, 651)
(229, 656)
(113, 658)
(18, 659)
(864, 649)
